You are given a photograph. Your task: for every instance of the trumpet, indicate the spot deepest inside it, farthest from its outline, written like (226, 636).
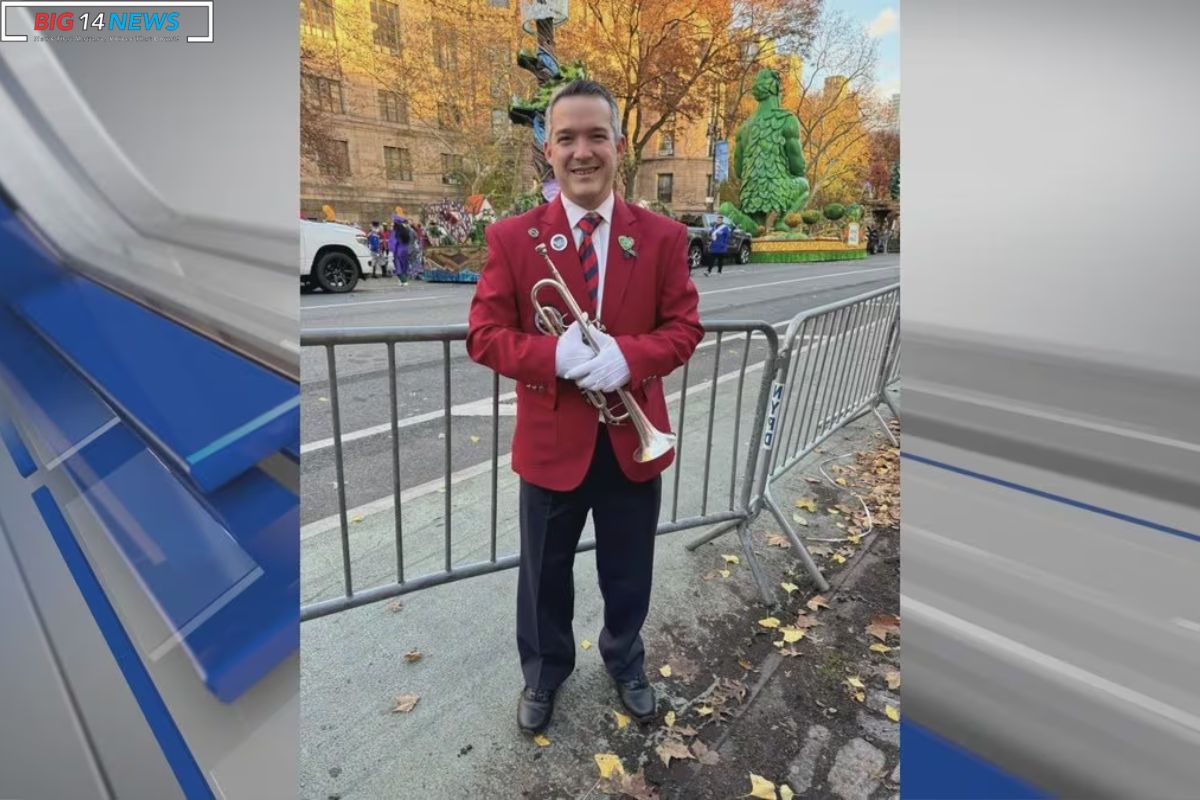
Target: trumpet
(653, 442)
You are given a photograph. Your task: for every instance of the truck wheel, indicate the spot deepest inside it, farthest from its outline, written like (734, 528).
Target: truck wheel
(336, 272)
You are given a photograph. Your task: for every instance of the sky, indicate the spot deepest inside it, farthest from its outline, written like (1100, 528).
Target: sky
(882, 18)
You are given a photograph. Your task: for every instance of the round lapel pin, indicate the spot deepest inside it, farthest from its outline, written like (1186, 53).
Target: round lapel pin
(558, 242)
(533, 233)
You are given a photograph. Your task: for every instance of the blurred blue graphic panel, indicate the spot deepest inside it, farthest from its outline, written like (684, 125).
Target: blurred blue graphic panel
(215, 413)
(935, 769)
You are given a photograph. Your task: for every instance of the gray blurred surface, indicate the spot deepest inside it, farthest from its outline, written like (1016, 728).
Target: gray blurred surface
(1050, 342)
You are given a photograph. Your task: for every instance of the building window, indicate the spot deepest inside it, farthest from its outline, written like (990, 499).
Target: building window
(666, 185)
(712, 188)
(398, 162)
(386, 17)
(317, 17)
(449, 115)
(445, 46)
(499, 120)
(452, 167)
(500, 65)
(666, 143)
(323, 94)
(335, 161)
(498, 3)
(393, 107)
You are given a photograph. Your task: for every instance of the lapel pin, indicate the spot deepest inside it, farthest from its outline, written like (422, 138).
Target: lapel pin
(533, 233)
(558, 242)
(626, 243)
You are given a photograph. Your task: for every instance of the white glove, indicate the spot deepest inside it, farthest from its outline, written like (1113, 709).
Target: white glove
(571, 350)
(607, 372)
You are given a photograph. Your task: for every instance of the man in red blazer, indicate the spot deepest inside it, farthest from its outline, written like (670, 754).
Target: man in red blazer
(628, 268)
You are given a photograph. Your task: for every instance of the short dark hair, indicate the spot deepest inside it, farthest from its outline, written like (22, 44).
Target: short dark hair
(582, 87)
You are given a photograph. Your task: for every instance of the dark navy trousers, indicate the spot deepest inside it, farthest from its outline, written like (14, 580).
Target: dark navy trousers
(625, 515)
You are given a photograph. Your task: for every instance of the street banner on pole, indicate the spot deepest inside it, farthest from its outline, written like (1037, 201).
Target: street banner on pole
(721, 163)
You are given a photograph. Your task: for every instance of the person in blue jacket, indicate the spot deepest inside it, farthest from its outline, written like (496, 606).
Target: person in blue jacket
(718, 248)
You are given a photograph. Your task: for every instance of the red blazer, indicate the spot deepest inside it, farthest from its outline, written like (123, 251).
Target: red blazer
(650, 308)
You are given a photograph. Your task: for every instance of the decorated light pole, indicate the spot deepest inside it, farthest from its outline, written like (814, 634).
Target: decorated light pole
(541, 17)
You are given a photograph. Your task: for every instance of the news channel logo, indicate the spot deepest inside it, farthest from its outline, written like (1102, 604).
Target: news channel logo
(187, 21)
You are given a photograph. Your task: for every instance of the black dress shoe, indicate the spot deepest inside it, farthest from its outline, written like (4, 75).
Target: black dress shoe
(638, 697)
(534, 709)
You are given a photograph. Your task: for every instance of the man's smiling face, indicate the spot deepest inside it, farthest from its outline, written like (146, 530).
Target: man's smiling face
(582, 149)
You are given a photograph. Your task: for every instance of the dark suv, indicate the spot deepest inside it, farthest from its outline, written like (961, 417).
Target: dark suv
(700, 236)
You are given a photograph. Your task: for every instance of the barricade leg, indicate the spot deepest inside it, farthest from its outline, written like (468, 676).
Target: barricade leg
(814, 571)
(756, 569)
(712, 535)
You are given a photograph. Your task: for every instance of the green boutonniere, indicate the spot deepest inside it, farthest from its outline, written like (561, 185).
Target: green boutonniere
(626, 243)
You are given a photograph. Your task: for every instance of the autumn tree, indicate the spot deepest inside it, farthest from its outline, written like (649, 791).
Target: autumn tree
(838, 108)
(884, 153)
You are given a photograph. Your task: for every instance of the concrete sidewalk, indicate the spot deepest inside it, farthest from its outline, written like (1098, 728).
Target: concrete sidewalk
(461, 739)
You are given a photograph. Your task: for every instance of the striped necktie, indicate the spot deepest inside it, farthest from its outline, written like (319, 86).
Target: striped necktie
(587, 255)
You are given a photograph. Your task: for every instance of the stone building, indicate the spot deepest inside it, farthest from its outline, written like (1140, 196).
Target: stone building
(411, 105)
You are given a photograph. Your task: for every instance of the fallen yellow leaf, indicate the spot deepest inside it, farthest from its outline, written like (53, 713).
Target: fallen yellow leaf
(840, 481)
(778, 643)
(791, 634)
(357, 519)
(892, 713)
(665, 670)
(859, 696)
(621, 719)
(786, 793)
(833, 511)
(730, 559)
(854, 538)
(585, 644)
(474, 440)
(609, 765)
(769, 622)
(762, 788)
(893, 679)
(790, 587)
(881, 648)
(855, 681)
(839, 558)
(799, 520)
(725, 573)
(808, 504)
(670, 719)
(406, 703)
(817, 602)
(541, 741)
(704, 711)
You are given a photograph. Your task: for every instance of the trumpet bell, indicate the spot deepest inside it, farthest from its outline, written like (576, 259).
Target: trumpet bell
(655, 446)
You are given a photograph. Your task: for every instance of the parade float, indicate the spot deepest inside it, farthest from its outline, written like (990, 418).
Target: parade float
(769, 161)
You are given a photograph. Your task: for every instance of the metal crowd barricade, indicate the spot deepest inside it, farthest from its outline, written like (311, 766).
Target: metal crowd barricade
(834, 367)
(693, 501)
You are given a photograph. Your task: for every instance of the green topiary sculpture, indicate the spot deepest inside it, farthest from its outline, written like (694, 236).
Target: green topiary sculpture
(769, 162)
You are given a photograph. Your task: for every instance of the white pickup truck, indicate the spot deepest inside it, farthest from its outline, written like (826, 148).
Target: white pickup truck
(333, 256)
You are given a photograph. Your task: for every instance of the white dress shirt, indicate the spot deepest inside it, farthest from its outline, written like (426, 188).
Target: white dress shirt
(599, 236)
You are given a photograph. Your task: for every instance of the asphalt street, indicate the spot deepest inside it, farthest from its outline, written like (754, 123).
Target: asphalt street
(772, 293)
